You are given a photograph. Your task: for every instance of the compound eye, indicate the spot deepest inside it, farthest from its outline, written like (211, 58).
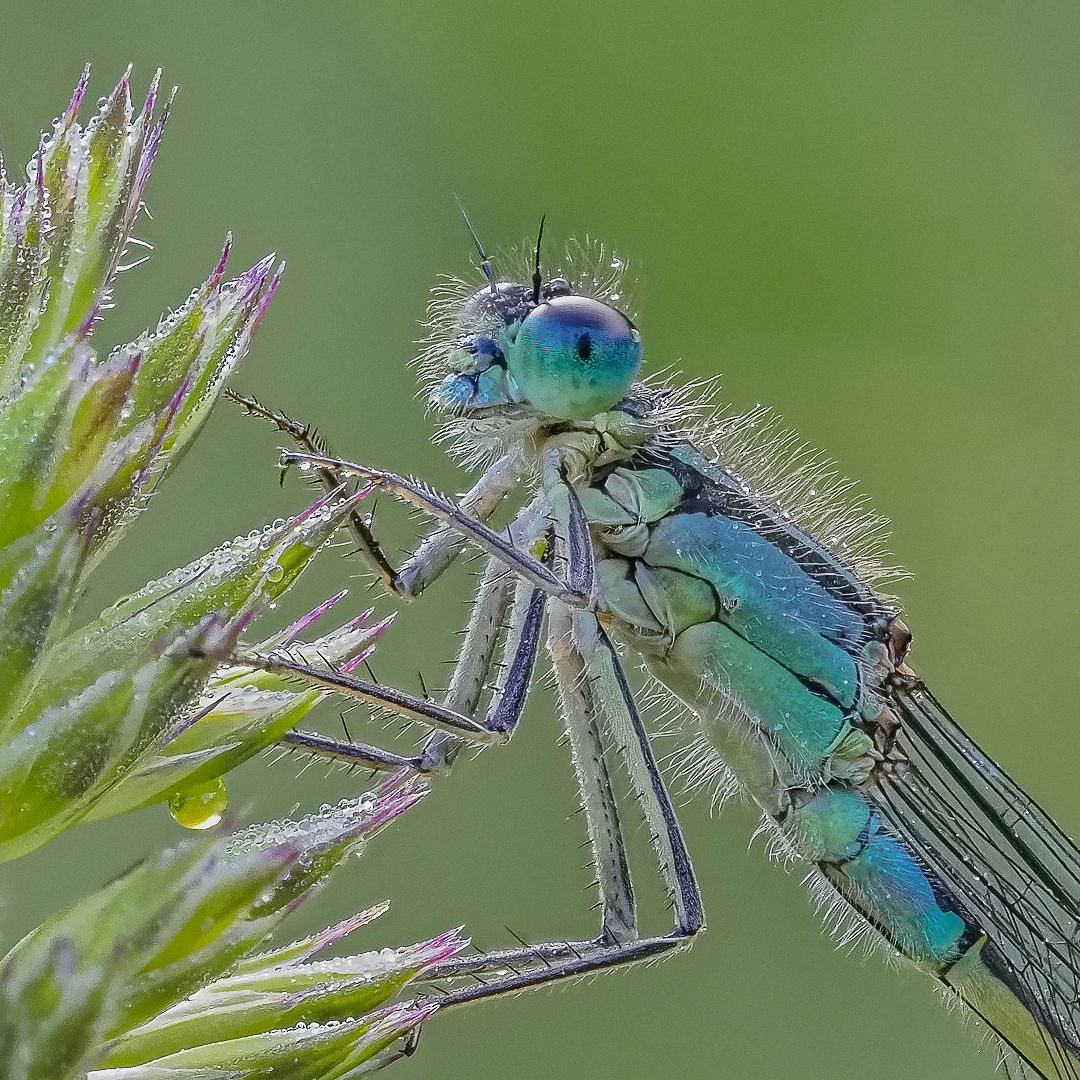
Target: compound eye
(574, 357)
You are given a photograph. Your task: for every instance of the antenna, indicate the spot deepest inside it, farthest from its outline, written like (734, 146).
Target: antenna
(536, 278)
(485, 262)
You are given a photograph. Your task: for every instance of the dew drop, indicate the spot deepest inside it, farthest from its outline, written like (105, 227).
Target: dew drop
(200, 807)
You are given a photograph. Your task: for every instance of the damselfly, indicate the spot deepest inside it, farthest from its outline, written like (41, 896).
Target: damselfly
(720, 555)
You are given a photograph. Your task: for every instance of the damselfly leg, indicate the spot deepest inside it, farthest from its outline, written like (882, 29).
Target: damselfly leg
(518, 590)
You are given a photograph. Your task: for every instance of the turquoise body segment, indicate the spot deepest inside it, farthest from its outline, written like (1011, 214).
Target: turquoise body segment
(736, 614)
(765, 597)
(803, 725)
(879, 875)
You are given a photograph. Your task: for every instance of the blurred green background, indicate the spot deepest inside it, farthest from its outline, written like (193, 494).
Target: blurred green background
(864, 214)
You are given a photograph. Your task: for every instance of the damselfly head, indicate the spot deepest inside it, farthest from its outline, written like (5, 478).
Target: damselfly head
(547, 348)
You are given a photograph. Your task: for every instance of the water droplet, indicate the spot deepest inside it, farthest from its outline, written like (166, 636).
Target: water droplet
(200, 807)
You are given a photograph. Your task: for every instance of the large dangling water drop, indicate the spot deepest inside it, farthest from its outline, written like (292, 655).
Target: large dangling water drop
(201, 806)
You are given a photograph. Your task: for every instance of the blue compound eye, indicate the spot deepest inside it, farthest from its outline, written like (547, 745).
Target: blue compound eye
(574, 357)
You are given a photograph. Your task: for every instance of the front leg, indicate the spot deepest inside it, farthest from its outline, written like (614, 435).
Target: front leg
(438, 551)
(445, 510)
